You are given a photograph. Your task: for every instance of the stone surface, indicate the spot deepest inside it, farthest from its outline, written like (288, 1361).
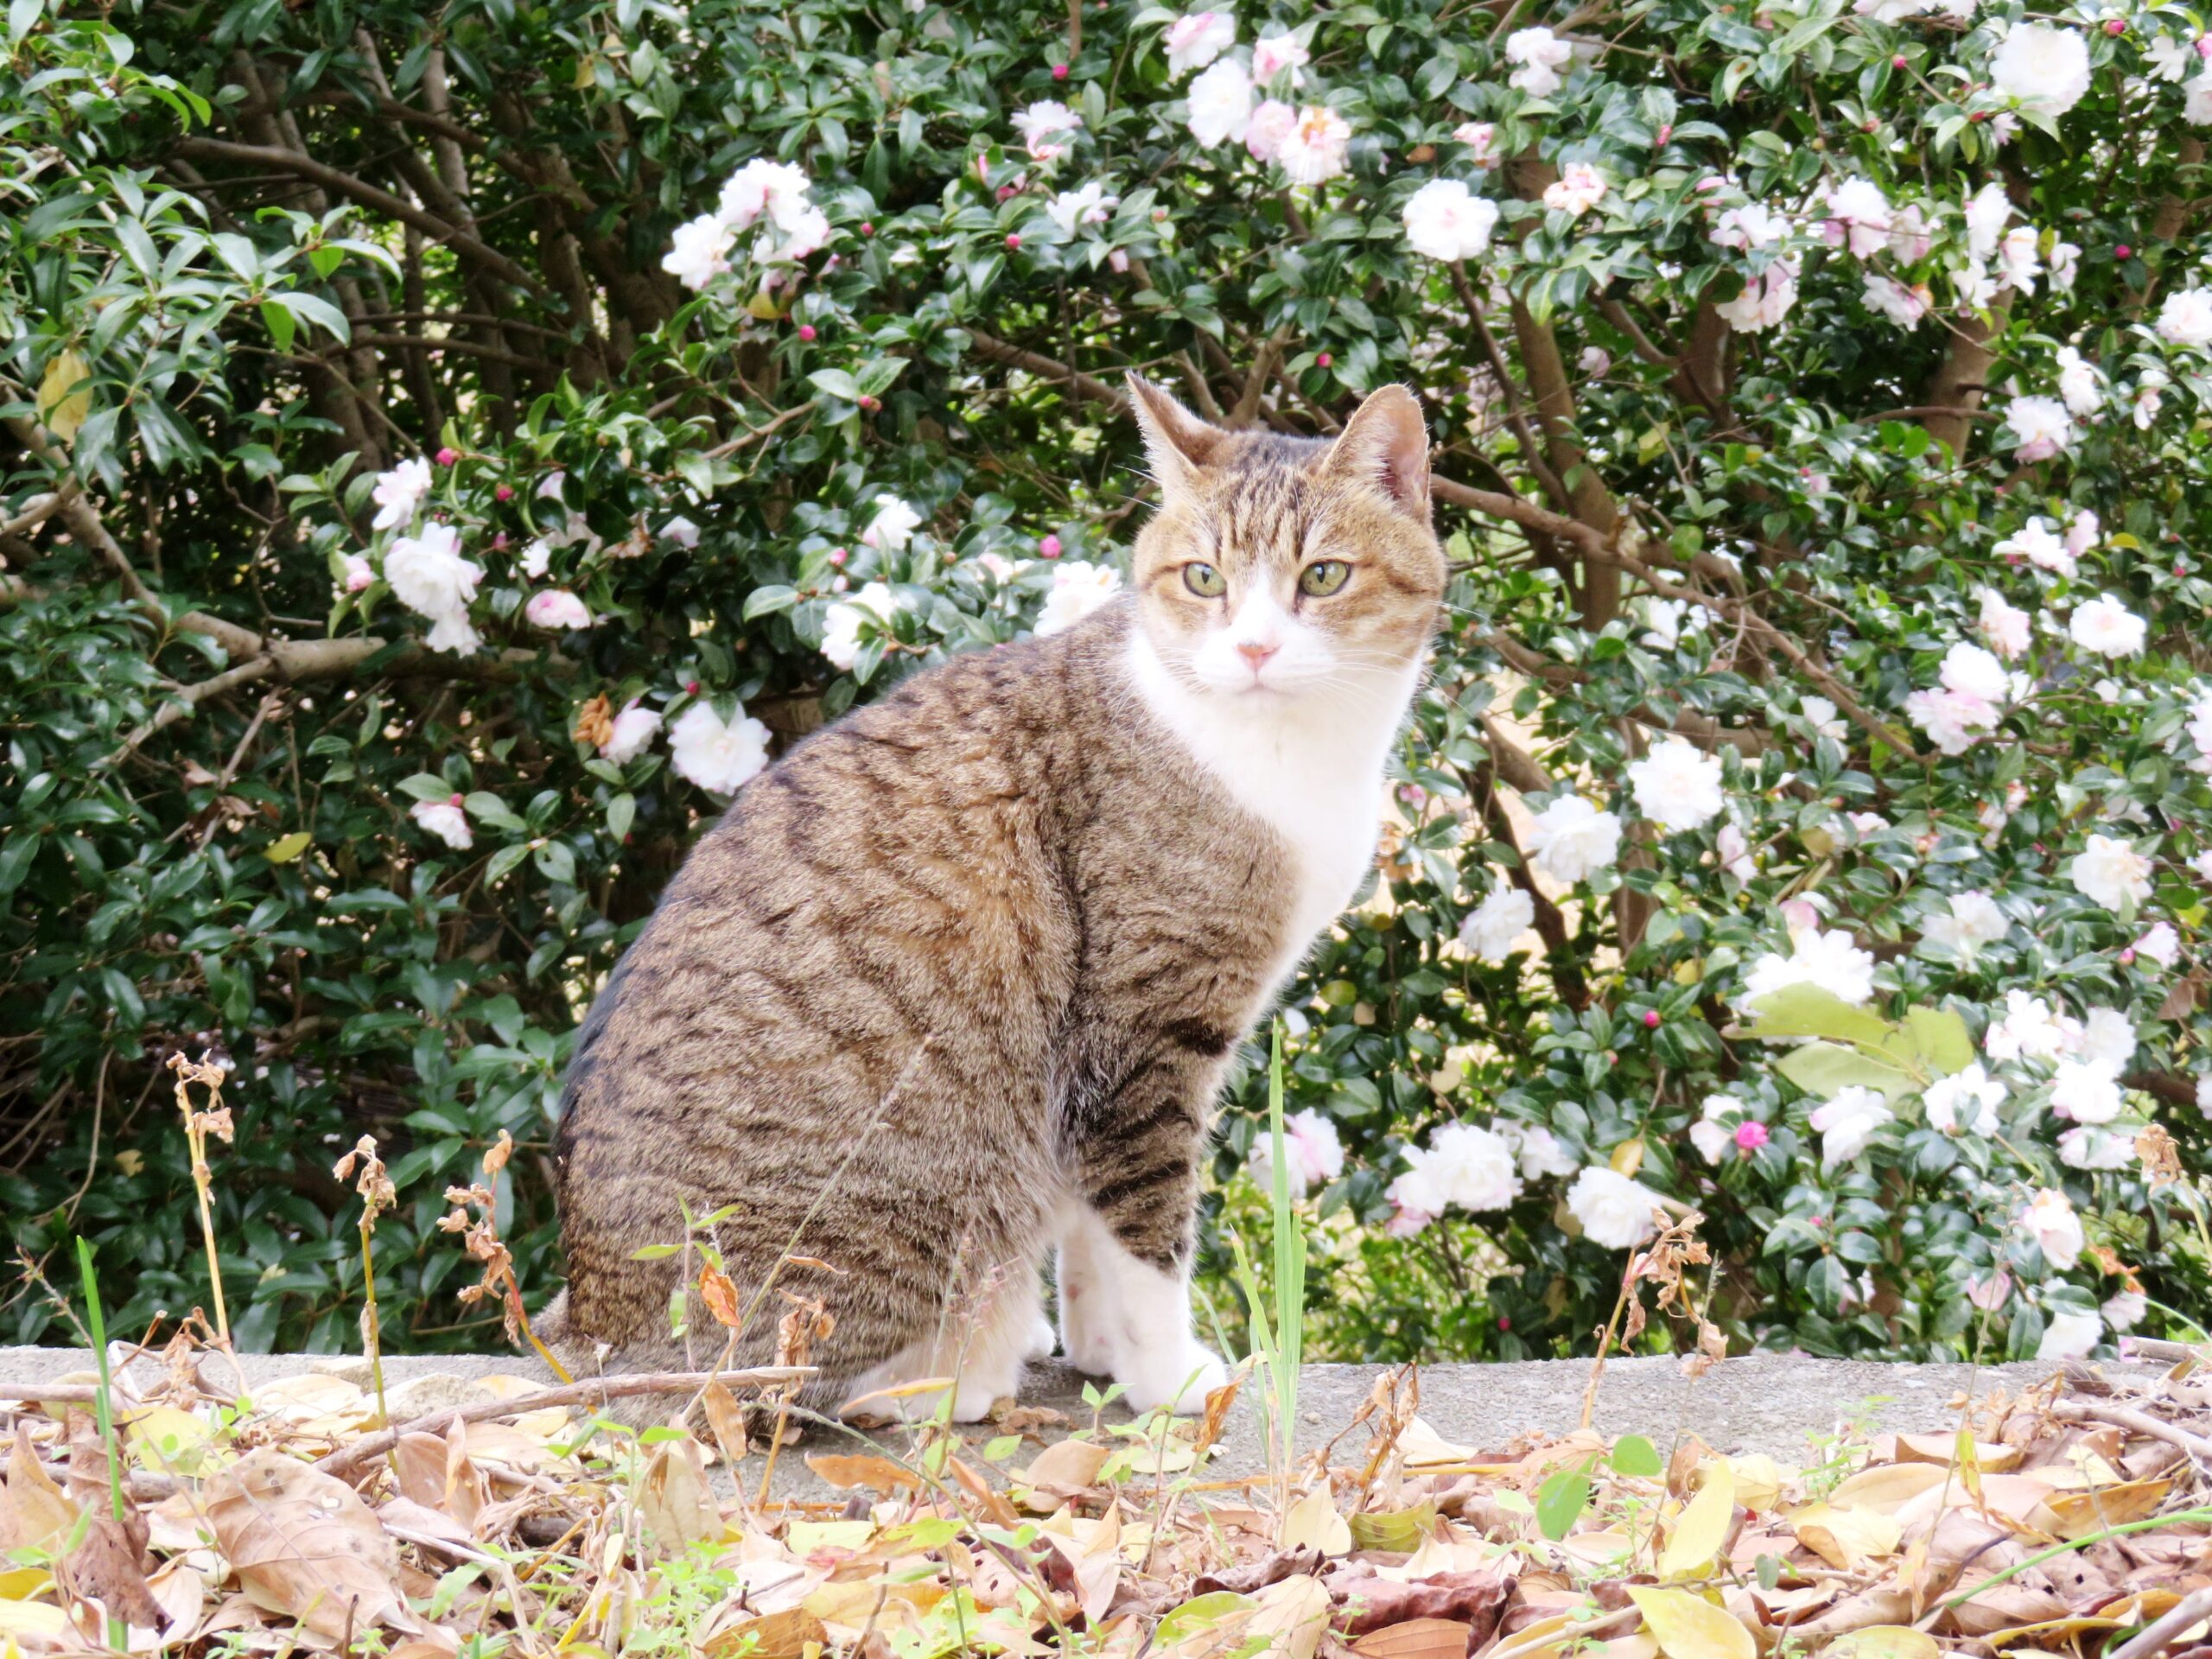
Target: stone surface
(1774, 1403)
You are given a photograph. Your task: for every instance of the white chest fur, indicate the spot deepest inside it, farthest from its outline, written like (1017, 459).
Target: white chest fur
(1309, 768)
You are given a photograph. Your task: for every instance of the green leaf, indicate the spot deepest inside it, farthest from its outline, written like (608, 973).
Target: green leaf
(1635, 1455)
(1805, 1010)
(836, 382)
(764, 601)
(1561, 1500)
(285, 848)
(621, 812)
(281, 326)
(1826, 1070)
(1941, 1037)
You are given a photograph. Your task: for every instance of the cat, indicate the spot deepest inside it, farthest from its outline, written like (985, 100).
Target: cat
(954, 981)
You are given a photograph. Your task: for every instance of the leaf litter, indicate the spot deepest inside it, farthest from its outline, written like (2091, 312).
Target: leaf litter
(2071, 1519)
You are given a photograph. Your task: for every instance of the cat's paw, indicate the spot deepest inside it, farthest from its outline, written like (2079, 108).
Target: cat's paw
(1176, 1380)
(1042, 1339)
(1086, 1338)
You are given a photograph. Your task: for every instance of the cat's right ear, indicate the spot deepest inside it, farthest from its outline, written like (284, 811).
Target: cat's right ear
(1177, 442)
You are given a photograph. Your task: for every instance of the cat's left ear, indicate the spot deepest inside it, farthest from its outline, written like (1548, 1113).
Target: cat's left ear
(1385, 445)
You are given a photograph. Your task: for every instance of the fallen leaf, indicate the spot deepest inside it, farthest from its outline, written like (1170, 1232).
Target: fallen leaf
(1313, 1522)
(773, 1635)
(1992, 1457)
(303, 1544)
(1065, 1470)
(877, 1474)
(1293, 1614)
(1702, 1527)
(1417, 1639)
(1687, 1626)
(1884, 1641)
(1888, 1487)
(673, 1500)
(1471, 1598)
(2077, 1514)
(33, 1618)
(105, 1567)
(1400, 1530)
(1845, 1538)
(1257, 1575)
(34, 1513)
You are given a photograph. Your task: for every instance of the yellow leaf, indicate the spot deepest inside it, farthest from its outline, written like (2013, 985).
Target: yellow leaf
(1313, 1522)
(807, 1536)
(285, 848)
(165, 1440)
(2077, 1514)
(1628, 1157)
(32, 1618)
(62, 409)
(1292, 1616)
(21, 1583)
(1702, 1527)
(1690, 1627)
(1758, 1481)
(587, 73)
(1888, 1486)
(1845, 1538)
(1884, 1642)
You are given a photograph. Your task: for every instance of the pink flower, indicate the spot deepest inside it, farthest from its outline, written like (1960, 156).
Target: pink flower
(1050, 547)
(1271, 125)
(1751, 1135)
(556, 607)
(359, 573)
(1989, 1294)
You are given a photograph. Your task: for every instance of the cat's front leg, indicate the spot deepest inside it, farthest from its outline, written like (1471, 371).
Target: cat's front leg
(1135, 1229)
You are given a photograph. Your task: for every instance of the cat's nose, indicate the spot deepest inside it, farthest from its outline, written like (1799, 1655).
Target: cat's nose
(1257, 654)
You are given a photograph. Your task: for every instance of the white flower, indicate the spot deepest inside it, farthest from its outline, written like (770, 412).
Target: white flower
(776, 188)
(2110, 872)
(2065, 265)
(717, 755)
(1504, 916)
(2185, 318)
(1971, 672)
(2050, 1219)
(1823, 717)
(1313, 1154)
(1314, 151)
(2046, 69)
(679, 530)
(1614, 1211)
(398, 493)
(2029, 1030)
(1273, 53)
(537, 559)
(1472, 1167)
(2071, 1333)
(1047, 127)
(1754, 225)
(1072, 209)
(2125, 1311)
(892, 527)
(2106, 626)
(1975, 920)
(1570, 838)
(1480, 137)
(2038, 544)
(699, 251)
(1579, 188)
(1078, 588)
(1714, 1142)
(556, 607)
(360, 574)
(1735, 853)
(1539, 1150)
(1445, 221)
(1596, 362)
(1272, 125)
(840, 623)
(2196, 104)
(1677, 786)
(1221, 104)
(428, 574)
(634, 729)
(1830, 960)
(1766, 299)
(2086, 1091)
(2171, 57)
(1952, 718)
(2079, 386)
(1903, 306)
(2083, 531)
(2150, 393)
(808, 234)
(2007, 627)
(1965, 1102)
(2108, 1036)
(1662, 621)
(2088, 1149)
(1859, 216)
(1987, 212)
(1197, 38)
(2041, 427)
(1847, 1124)
(2160, 945)
(1540, 54)
(2018, 255)
(445, 820)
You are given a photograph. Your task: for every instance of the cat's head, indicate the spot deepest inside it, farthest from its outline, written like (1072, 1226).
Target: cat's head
(1280, 567)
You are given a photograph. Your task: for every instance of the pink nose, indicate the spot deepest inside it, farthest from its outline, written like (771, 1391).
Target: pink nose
(1256, 654)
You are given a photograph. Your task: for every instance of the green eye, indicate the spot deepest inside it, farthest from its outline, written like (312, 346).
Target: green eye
(1324, 577)
(1203, 580)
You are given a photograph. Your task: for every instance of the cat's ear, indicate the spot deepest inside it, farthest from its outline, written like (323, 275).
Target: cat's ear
(1385, 445)
(1177, 442)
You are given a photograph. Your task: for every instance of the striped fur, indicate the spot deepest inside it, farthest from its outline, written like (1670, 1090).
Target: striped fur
(957, 978)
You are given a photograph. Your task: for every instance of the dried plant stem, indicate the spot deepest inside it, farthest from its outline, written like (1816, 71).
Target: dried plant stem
(1606, 1340)
(195, 1136)
(2090, 1411)
(591, 1391)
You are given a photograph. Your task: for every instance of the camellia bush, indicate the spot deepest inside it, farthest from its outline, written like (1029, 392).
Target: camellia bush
(447, 452)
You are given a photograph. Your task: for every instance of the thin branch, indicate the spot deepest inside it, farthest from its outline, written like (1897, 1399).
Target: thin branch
(39, 509)
(1045, 368)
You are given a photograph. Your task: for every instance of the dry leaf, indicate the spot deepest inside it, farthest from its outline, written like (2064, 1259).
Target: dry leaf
(1417, 1639)
(1065, 1470)
(105, 1567)
(673, 1499)
(34, 1513)
(788, 1635)
(1373, 1604)
(1689, 1627)
(879, 1475)
(304, 1544)
(1313, 1524)
(2077, 1514)
(1292, 1616)
(1701, 1530)
(1884, 1642)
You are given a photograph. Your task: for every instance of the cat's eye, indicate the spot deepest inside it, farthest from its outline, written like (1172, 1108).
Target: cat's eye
(1324, 577)
(1204, 581)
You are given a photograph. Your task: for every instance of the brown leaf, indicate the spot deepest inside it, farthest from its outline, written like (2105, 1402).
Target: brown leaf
(303, 1544)
(788, 1635)
(105, 1567)
(1064, 1469)
(595, 723)
(673, 1501)
(1473, 1599)
(719, 1292)
(34, 1512)
(1417, 1639)
(725, 1418)
(878, 1474)
(1257, 1575)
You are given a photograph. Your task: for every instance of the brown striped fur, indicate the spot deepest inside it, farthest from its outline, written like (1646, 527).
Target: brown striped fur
(972, 957)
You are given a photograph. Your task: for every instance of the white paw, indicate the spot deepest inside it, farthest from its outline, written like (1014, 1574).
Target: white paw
(1085, 1338)
(1176, 1380)
(1042, 1339)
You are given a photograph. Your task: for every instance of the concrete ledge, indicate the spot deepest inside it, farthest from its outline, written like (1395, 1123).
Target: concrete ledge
(1773, 1403)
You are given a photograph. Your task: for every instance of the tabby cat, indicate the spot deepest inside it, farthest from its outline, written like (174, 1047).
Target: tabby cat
(954, 981)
